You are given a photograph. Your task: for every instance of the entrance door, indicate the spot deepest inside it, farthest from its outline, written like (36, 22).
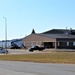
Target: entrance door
(48, 44)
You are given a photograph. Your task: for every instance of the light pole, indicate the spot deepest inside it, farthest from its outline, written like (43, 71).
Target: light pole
(5, 33)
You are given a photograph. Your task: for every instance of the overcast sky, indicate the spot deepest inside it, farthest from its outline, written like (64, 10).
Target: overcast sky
(42, 15)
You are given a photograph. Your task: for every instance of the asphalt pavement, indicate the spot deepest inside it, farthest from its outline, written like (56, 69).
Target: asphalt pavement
(22, 51)
(31, 68)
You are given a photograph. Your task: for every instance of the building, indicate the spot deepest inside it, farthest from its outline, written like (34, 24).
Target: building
(55, 38)
(18, 42)
(3, 44)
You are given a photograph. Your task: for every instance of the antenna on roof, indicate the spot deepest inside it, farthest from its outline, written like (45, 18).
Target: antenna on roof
(70, 30)
(66, 32)
(66, 28)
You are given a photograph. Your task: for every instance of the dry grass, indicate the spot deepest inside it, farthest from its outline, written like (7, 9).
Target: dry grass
(53, 57)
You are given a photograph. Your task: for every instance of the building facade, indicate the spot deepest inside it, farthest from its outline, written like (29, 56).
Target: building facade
(56, 38)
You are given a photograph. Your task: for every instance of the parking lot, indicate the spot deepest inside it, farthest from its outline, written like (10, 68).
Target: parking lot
(26, 51)
(17, 51)
(20, 51)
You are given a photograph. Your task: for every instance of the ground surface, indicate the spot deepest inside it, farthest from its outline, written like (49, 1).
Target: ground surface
(21, 51)
(26, 51)
(28, 68)
(47, 56)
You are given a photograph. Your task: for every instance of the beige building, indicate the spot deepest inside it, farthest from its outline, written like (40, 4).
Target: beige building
(56, 38)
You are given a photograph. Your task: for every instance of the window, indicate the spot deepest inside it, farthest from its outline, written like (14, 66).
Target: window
(67, 43)
(73, 43)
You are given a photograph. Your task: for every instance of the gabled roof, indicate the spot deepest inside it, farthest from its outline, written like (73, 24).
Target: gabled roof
(59, 31)
(55, 36)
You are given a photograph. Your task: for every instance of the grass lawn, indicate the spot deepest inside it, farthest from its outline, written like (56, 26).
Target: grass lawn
(52, 57)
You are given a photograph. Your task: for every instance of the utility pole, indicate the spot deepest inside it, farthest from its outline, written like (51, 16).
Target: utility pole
(5, 33)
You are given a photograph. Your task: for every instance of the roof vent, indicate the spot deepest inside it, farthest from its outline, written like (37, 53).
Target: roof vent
(70, 30)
